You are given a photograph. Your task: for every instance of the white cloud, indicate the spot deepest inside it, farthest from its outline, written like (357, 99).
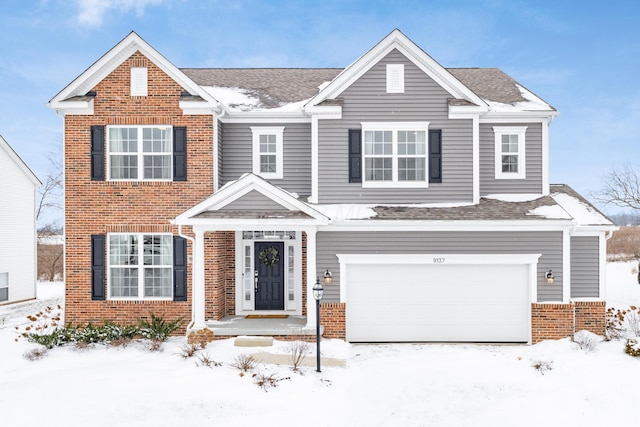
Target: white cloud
(91, 13)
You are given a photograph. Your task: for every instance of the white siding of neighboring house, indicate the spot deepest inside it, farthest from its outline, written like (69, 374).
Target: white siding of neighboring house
(18, 188)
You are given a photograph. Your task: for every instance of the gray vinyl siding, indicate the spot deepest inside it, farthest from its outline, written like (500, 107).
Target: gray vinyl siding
(253, 200)
(237, 151)
(549, 244)
(585, 267)
(366, 100)
(533, 158)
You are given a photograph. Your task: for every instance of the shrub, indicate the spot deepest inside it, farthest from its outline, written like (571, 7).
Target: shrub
(35, 354)
(158, 329)
(632, 347)
(298, 351)
(206, 360)
(189, 350)
(244, 362)
(614, 323)
(587, 341)
(542, 366)
(265, 381)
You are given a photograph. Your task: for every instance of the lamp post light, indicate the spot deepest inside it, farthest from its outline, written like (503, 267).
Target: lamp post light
(318, 290)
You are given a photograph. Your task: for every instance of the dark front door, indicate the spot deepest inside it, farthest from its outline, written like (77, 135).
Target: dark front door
(269, 268)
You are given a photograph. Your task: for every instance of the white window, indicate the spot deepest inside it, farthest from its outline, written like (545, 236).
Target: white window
(139, 81)
(4, 287)
(140, 266)
(395, 78)
(140, 153)
(395, 154)
(267, 151)
(510, 152)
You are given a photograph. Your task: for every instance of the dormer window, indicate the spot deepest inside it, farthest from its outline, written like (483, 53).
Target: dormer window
(510, 152)
(395, 78)
(139, 81)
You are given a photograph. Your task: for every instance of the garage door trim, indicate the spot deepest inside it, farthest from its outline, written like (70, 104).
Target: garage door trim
(439, 259)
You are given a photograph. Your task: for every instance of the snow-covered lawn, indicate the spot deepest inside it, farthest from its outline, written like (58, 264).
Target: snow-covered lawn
(382, 385)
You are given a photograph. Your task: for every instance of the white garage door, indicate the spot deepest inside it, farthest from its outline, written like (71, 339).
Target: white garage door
(441, 302)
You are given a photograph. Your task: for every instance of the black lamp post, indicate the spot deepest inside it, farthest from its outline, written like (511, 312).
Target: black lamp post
(318, 290)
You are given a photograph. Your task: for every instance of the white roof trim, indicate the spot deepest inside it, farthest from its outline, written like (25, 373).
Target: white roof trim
(4, 145)
(397, 40)
(243, 185)
(116, 56)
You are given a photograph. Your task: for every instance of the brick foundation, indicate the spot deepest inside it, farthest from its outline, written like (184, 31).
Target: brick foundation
(590, 316)
(552, 321)
(332, 317)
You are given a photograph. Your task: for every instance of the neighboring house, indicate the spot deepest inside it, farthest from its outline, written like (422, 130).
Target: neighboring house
(424, 191)
(18, 192)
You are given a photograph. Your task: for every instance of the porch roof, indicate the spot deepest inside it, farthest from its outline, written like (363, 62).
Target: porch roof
(254, 214)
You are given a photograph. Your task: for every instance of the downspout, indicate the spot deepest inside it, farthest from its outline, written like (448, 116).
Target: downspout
(193, 255)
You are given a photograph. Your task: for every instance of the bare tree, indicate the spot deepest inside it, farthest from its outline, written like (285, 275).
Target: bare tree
(621, 188)
(50, 194)
(49, 206)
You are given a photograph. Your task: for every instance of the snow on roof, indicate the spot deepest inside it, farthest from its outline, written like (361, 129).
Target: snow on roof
(531, 103)
(524, 197)
(235, 98)
(345, 211)
(583, 213)
(550, 212)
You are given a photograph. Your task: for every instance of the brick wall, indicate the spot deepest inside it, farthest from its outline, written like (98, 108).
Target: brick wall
(332, 317)
(590, 316)
(552, 321)
(100, 207)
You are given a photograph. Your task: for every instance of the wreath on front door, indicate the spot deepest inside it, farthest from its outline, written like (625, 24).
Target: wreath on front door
(269, 256)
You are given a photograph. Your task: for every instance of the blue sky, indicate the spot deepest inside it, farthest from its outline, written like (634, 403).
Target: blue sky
(582, 57)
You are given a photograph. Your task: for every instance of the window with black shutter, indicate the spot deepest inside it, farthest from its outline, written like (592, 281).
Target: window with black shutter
(97, 153)
(355, 155)
(435, 156)
(179, 268)
(97, 267)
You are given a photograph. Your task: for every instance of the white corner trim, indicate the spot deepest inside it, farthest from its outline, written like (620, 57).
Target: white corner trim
(313, 198)
(475, 123)
(566, 265)
(545, 157)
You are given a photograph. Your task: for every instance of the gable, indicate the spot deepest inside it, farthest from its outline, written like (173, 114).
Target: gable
(416, 82)
(397, 41)
(12, 167)
(254, 200)
(76, 97)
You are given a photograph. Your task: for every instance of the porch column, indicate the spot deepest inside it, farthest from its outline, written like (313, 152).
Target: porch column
(197, 297)
(312, 272)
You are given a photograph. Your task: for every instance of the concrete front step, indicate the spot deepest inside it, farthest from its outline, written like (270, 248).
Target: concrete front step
(244, 341)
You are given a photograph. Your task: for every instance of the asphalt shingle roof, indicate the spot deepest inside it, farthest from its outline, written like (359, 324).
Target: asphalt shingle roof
(278, 86)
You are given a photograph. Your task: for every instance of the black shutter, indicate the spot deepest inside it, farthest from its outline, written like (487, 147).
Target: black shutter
(435, 156)
(355, 155)
(179, 268)
(97, 153)
(179, 153)
(97, 267)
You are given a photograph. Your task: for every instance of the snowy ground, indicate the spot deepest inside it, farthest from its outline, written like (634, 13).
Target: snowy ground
(382, 385)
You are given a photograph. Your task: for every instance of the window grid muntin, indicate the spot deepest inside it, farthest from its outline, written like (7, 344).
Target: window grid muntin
(140, 153)
(140, 265)
(510, 152)
(395, 153)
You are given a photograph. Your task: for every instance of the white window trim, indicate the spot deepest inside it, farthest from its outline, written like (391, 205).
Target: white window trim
(395, 127)
(395, 78)
(140, 153)
(278, 131)
(140, 296)
(510, 130)
(244, 307)
(139, 81)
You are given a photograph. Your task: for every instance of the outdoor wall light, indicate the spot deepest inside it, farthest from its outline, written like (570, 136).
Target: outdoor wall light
(318, 290)
(327, 277)
(549, 277)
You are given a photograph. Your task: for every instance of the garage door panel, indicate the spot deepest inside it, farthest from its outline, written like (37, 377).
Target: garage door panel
(417, 302)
